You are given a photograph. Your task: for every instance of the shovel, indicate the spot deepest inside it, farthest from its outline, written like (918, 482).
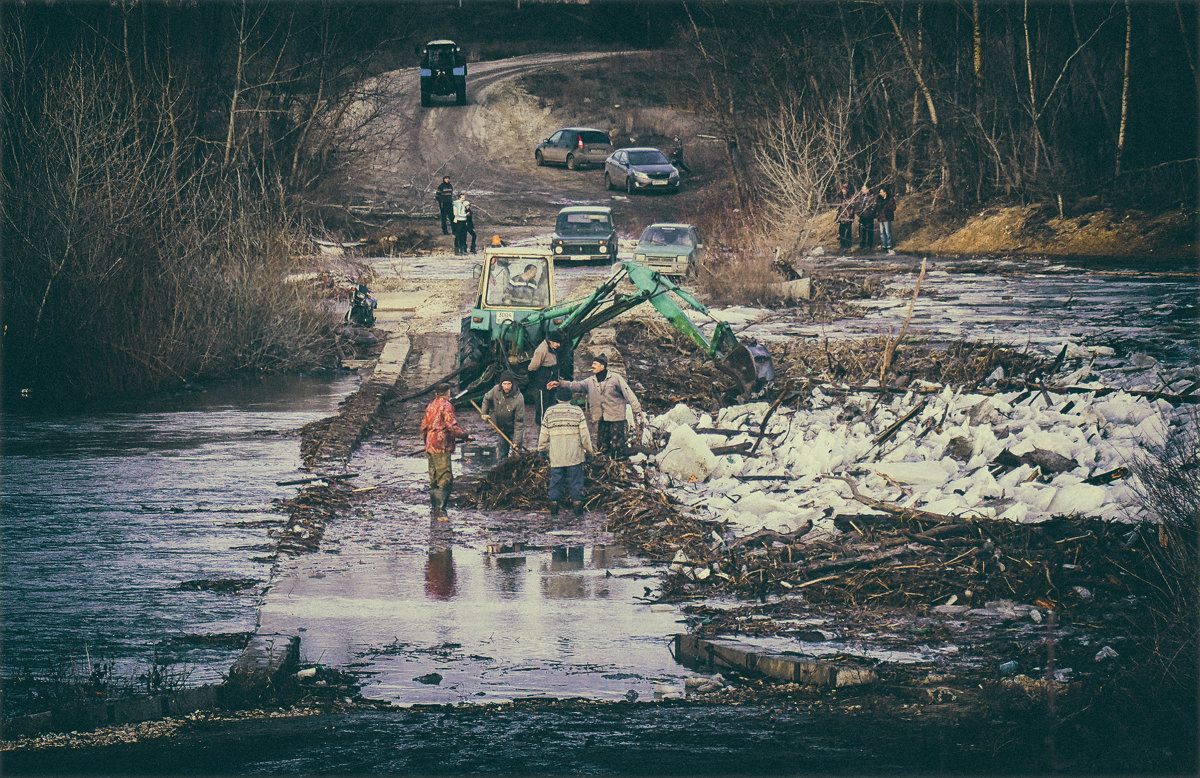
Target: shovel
(511, 445)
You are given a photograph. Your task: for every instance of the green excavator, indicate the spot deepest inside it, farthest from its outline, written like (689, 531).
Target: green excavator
(515, 309)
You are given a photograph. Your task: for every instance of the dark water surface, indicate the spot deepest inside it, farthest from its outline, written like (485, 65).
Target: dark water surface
(106, 514)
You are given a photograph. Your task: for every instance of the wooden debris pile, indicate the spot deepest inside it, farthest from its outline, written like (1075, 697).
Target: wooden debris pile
(308, 513)
(896, 561)
(646, 519)
(522, 481)
(671, 369)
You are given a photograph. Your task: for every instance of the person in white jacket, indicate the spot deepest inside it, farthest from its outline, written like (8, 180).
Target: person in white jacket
(564, 436)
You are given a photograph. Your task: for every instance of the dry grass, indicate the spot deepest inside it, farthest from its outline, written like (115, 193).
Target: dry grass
(1168, 478)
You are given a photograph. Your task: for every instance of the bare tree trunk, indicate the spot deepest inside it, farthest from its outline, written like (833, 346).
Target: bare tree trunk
(977, 45)
(237, 87)
(1124, 88)
(914, 65)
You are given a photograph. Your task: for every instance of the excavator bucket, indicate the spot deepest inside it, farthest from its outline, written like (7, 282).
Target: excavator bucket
(751, 365)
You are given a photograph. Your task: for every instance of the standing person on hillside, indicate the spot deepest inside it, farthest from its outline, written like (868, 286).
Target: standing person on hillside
(564, 435)
(543, 368)
(469, 228)
(866, 207)
(459, 225)
(887, 212)
(504, 406)
(440, 429)
(445, 201)
(845, 216)
(608, 394)
(677, 156)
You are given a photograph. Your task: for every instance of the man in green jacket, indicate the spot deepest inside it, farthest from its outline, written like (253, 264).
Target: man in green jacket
(504, 406)
(564, 435)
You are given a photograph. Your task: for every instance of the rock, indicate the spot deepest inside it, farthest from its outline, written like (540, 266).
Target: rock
(686, 458)
(1009, 667)
(1108, 652)
(432, 679)
(1049, 461)
(960, 448)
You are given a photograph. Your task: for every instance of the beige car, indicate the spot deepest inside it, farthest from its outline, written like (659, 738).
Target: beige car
(574, 147)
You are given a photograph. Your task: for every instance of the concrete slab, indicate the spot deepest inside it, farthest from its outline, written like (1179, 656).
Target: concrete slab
(721, 653)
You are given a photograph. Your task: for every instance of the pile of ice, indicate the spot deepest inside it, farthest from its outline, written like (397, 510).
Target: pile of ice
(940, 461)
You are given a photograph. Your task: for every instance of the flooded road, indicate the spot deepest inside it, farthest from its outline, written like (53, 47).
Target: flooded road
(108, 514)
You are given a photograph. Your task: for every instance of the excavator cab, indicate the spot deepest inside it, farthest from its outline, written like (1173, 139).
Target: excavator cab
(507, 320)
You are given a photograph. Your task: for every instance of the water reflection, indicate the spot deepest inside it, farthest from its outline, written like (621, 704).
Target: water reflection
(508, 578)
(439, 565)
(557, 583)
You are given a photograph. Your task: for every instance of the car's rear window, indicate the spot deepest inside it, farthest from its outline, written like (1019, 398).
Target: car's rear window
(595, 136)
(647, 158)
(583, 223)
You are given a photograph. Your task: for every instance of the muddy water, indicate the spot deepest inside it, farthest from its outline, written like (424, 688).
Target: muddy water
(486, 607)
(107, 514)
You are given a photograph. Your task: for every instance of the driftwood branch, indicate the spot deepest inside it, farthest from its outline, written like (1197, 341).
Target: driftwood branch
(891, 347)
(762, 428)
(896, 510)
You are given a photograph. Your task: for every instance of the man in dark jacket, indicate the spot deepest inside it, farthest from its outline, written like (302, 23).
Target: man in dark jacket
(504, 406)
(543, 368)
(445, 201)
(866, 206)
(845, 216)
(887, 212)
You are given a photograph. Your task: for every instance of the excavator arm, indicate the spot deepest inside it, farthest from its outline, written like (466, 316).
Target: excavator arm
(749, 364)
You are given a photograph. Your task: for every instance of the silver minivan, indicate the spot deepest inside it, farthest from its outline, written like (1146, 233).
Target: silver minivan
(574, 147)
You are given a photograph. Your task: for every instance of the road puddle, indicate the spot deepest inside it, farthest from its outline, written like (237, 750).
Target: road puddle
(481, 608)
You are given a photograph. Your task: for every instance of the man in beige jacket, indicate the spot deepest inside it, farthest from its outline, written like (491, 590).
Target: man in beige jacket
(608, 394)
(564, 434)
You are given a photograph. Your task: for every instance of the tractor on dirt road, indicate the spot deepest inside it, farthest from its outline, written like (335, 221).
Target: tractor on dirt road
(515, 308)
(443, 72)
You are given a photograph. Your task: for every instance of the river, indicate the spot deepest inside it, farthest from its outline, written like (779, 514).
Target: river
(108, 514)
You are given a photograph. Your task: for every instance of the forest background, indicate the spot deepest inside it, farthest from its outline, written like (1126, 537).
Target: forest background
(163, 163)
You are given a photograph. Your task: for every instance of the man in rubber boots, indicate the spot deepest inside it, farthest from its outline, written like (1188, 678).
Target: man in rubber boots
(504, 406)
(439, 426)
(445, 201)
(564, 435)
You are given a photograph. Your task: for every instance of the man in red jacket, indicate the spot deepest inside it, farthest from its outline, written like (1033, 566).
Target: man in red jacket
(439, 426)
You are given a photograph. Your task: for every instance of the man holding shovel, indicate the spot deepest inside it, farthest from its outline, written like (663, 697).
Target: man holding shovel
(504, 408)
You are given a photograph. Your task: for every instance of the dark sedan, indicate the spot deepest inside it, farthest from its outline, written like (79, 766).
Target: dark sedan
(640, 169)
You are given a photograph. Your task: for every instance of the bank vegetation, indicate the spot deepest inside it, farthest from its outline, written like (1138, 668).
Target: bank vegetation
(156, 164)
